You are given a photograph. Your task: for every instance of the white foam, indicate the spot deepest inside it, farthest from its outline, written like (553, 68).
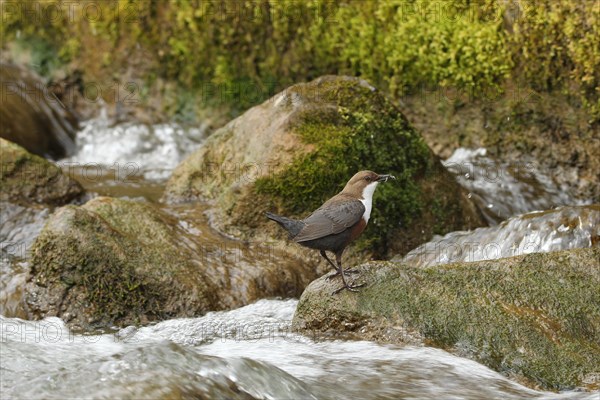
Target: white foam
(152, 151)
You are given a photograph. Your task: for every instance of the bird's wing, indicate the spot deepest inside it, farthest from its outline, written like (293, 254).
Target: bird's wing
(330, 219)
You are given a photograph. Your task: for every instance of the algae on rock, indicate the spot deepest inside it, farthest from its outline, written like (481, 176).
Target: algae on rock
(29, 179)
(534, 317)
(294, 151)
(113, 261)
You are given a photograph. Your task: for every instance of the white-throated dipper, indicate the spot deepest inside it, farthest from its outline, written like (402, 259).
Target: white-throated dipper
(339, 221)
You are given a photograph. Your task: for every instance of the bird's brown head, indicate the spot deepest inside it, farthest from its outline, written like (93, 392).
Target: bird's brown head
(363, 183)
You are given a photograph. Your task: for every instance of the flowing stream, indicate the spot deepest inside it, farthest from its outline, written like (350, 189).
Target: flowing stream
(563, 228)
(252, 352)
(248, 353)
(502, 189)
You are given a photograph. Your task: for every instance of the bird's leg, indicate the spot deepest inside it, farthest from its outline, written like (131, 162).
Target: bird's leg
(337, 272)
(324, 255)
(352, 288)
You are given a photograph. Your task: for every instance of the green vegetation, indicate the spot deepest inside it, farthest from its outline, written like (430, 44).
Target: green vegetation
(239, 53)
(535, 317)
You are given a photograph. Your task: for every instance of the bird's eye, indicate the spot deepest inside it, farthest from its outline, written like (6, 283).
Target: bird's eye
(367, 178)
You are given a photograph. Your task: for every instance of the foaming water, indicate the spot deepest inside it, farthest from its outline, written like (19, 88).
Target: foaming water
(19, 228)
(505, 189)
(128, 150)
(560, 229)
(248, 353)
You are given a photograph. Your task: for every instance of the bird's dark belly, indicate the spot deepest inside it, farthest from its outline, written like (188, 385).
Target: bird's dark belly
(338, 241)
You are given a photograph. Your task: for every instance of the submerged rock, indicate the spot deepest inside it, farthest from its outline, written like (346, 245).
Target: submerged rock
(32, 115)
(535, 317)
(29, 179)
(117, 262)
(296, 150)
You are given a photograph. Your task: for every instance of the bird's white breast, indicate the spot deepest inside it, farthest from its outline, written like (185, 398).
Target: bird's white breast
(367, 199)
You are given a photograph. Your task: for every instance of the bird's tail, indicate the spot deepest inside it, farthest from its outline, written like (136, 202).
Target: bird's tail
(291, 225)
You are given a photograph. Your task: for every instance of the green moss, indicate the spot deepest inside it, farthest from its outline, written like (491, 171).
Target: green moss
(224, 57)
(535, 316)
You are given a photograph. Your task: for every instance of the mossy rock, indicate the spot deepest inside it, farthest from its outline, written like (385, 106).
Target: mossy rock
(535, 318)
(291, 153)
(28, 179)
(118, 262)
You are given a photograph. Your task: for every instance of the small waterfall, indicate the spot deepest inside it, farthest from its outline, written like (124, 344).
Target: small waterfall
(559, 229)
(248, 353)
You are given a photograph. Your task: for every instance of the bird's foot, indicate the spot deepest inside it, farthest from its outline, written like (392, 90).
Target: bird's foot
(346, 271)
(351, 288)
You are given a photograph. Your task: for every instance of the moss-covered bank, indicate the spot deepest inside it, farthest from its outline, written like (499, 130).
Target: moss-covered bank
(29, 179)
(240, 53)
(522, 127)
(299, 148)
(535, 318)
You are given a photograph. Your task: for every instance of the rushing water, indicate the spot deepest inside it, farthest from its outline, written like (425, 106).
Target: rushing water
(502, 189)
(251, 352)
(129, 155)
(537, 232)
(20, 226)
(240, 354)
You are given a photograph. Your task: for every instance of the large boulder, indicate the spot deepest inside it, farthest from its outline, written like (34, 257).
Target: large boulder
(535, 318)
(118, 262)
(29, 179)
(294, 151)
(32, 115)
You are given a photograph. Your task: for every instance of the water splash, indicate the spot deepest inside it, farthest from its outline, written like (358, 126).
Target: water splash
(20, 226)
(560, 229)
(131, 149)
(505, 189)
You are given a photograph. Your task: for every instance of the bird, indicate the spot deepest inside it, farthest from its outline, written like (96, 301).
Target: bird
(338, 222)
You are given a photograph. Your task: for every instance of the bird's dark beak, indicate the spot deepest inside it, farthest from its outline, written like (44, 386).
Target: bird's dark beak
(384, 178)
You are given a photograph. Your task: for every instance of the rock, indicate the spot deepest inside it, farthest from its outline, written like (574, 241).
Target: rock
(28, 179)
(535, 318)
(117, 262)
(32, 116)
(294, 151)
